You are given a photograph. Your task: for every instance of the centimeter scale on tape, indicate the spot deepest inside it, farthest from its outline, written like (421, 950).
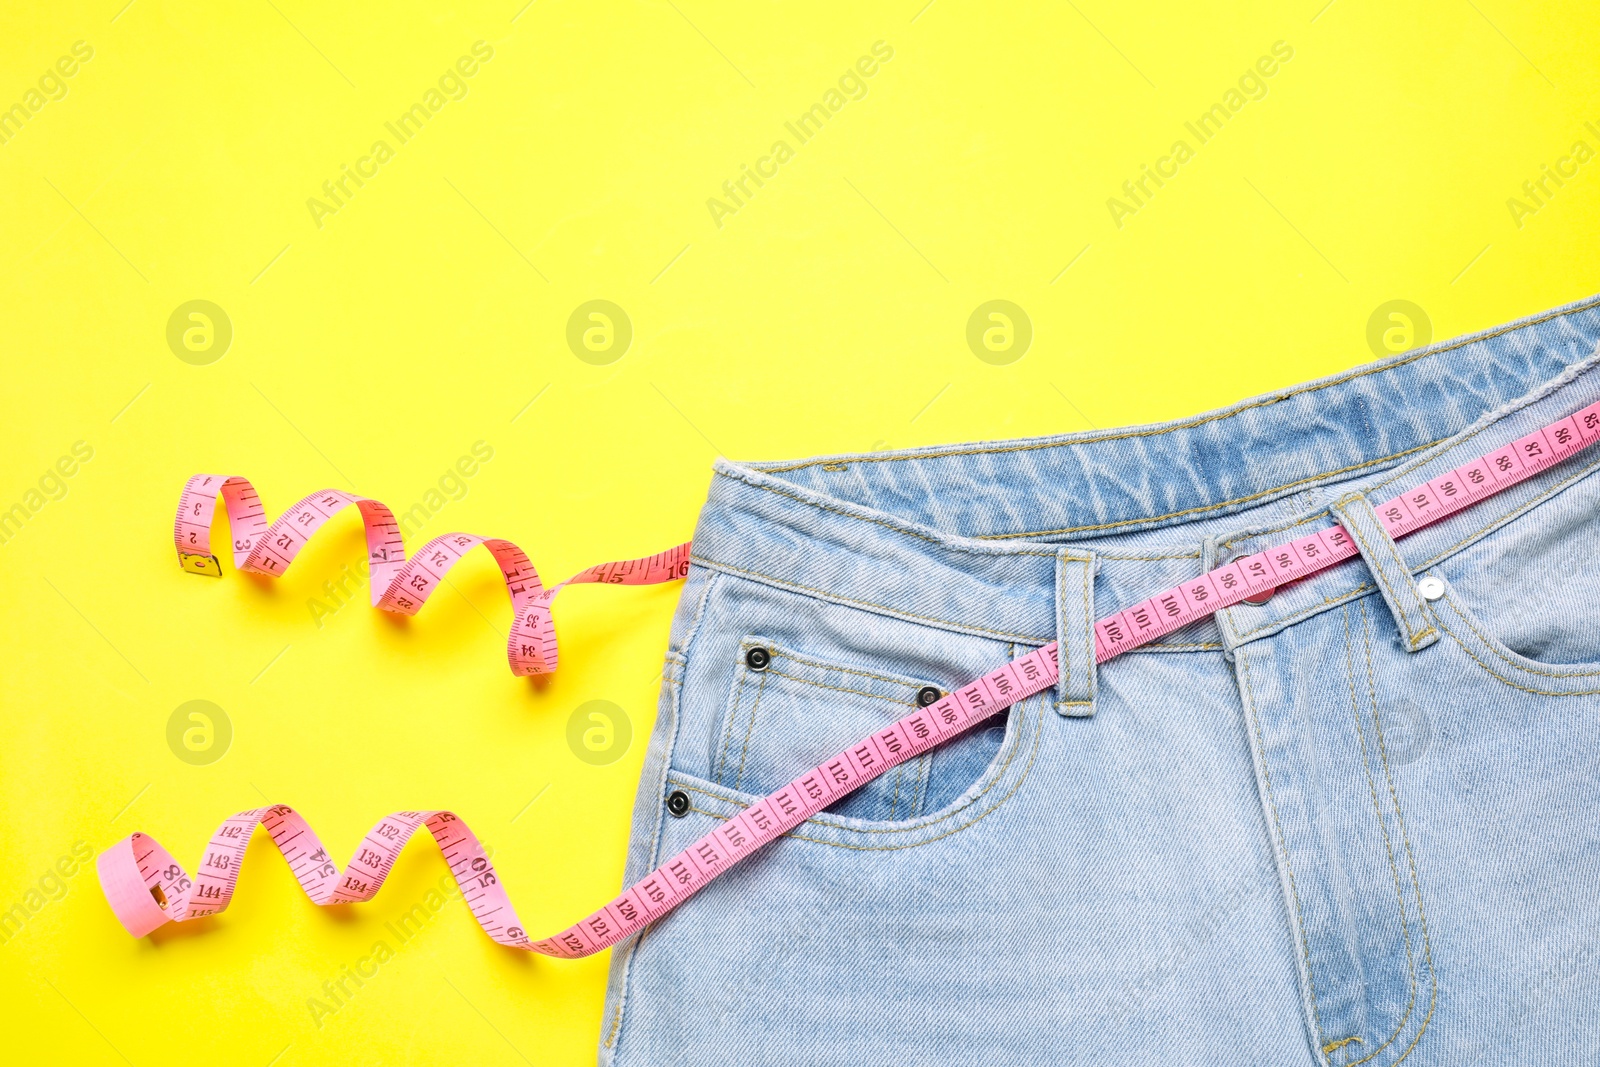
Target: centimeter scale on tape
(399, 584)
(146, 887)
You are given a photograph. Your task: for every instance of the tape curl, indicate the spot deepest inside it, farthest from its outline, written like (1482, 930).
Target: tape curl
(399, 584)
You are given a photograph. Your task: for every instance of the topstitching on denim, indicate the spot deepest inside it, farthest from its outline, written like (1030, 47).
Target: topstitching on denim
(1489, 527)
(1200, 420)
(1405, 839)
(1454, 444)
(910, 827)
(942, 548)
(1377, 808)
(885, 609)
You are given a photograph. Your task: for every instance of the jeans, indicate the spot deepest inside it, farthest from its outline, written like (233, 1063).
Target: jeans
(1348, 825)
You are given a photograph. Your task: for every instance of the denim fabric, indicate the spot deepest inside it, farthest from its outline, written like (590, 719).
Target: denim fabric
(1349, 825)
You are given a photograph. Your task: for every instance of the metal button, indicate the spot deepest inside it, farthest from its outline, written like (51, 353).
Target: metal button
(678, 803)
(757, 658)
(1259, 599)
(928, 694)
(1430, 587)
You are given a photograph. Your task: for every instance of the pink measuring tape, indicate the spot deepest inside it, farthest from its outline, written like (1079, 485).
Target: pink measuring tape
(399, 585)
(147, 888)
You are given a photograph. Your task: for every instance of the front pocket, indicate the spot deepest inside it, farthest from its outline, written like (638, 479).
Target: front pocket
(1499, 660)
(791, 711)
(1523, 599)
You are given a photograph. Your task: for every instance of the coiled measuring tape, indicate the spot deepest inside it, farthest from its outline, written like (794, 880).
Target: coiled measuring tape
(399, 585)
(146, 888)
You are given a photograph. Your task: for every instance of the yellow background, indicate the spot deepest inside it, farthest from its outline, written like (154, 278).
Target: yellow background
(828, 313)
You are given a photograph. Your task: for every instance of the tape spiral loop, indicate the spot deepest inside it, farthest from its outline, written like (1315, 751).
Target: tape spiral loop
(147, 888)
(399, 584)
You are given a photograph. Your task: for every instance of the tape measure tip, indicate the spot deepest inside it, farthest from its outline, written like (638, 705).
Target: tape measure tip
(200, 563)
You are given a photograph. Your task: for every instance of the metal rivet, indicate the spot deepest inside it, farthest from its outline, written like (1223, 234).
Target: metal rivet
(678, 803)
(928, 694)
(1431, 587)
(1227, 556)
(757, 658)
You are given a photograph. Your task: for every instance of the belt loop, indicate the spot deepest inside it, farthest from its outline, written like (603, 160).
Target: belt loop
(1390, 570)
(1212, 556)
(1075, 569)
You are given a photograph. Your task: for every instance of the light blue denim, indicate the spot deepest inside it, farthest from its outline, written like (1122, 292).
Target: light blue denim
(1349, 825)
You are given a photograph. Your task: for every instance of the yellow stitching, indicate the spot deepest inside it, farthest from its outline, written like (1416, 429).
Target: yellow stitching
(995, 780)
(1057, 443)
(693, 629)
(1442, 554)
(1376, 565)
(1204, 419)
(1038, 734)
(920, 762)
(1335, 1046)
(622, 998)
(957, 626)
(1464, 437)
(1526, 689)
(940, 541)
(822, 665)
(1149, 556)
(1492, 647)
(1327, 602)
(679, 660)
(1414, 639)
(1359, 590)
(1277, 822)
(1508, 516)
(1088, 624)
(998, 775)
(927, 764)
(688, 639)
(840, 688)
(1157, 646)
(924, 772)
(731, 715)
(1393, 477)
(1207, 507)
(1270, 530)
(1377, 807)
(750, 728)
(1294, 524)
(1405, 837)
(1241, 638)
(1063, 657)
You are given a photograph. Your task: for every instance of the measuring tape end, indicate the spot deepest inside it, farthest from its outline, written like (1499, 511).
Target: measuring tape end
(200, 563)
(131, 901)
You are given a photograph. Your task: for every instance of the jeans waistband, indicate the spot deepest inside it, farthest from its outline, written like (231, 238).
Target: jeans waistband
(969, 537)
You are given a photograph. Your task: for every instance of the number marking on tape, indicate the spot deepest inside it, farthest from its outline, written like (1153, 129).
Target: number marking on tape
(147, 888)
(399, 584)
